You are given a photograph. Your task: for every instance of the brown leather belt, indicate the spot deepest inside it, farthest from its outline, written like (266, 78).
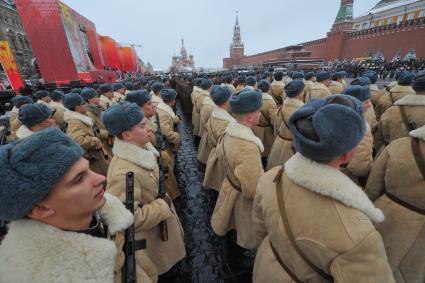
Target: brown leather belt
(236, 187)
(283, 265)
(283, 138)
(404, 204)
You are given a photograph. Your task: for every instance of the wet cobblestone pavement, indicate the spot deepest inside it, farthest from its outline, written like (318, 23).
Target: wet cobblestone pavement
(206, 259)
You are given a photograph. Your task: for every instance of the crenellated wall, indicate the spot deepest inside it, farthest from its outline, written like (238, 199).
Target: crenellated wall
(348, 45)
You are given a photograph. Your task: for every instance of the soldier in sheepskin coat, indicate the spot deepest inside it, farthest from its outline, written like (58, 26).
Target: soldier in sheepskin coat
(330, 217)
(56, 214)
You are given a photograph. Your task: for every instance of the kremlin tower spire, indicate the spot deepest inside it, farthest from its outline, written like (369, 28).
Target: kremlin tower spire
(236, 47)
(344, 19)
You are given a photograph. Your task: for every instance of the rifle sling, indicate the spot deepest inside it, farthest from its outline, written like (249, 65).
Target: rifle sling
(284, 266)
(406, 122)
(419, 156)
(285, 222)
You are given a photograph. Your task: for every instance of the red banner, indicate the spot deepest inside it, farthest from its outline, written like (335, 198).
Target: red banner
(9, 66)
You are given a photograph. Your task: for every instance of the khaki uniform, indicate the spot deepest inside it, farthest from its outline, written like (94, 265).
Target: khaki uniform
(216, 126)
(376, 94)
(199, 99)
(360, 163)
(105, 102)
(232, 87)
(59, 113)
(95, 113)
(167, 118)
(264, 130)
(277, 89)
(80, 129)
(331, 220)
(118, 97)
(240, 87)
(204, 147)
(391, 125)
(206, 109)
(171, 185)
(149, 211)
(240, 152)
(195, 117)
(14, 123)
(385, 101)
(282, 149)
(396, 173)
(307, 87)
(318, 90)
(336, 87)
(371, 119)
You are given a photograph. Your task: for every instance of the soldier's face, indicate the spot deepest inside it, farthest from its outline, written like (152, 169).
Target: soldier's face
(140, 133)
(109, 94)
(366, 105)
(76, 196)
(95, 100)
(149, 109)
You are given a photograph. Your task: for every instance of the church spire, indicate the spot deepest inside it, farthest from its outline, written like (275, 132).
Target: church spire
(183, 52)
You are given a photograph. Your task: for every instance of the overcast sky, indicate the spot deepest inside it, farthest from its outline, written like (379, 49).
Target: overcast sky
(207, 25)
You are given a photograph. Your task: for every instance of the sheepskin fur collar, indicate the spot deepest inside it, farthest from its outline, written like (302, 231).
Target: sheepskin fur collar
(220, 113)
(106, 100)
(137, 155)
(23, 132)
(293, 102)
(95, 109)
(166, 108)
(37, 252)
(402, 89)
(374, 87)
(418, 133)
(15, 110)
(332, 183)
(318, 85)
(204, 92)
(149, 147)
(267, 96)
(196, 89)
(240, 131)
(156, 99)
(277, 83)
(72, 115)
(57, 105)
(208, 101)
(45, 103)
(119, 95)
(411, 100)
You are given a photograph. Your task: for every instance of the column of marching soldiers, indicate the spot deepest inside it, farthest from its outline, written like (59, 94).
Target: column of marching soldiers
(323, 180)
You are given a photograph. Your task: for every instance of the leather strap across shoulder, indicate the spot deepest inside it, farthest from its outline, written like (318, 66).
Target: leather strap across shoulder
(287, 226)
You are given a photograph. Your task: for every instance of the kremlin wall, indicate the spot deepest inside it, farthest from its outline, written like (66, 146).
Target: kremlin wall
(392, 28)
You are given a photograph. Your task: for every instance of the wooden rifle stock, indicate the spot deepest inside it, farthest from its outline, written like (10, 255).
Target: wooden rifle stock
(161, 190)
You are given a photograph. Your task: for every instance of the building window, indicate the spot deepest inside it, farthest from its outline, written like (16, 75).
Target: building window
(12, 42)
(399, 19)
(364, 26)
(422, 14)
(381, 22)
(390, 21)
(410, 16)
